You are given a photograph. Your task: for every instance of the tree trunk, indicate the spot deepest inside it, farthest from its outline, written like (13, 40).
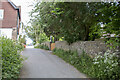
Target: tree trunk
(87, 34)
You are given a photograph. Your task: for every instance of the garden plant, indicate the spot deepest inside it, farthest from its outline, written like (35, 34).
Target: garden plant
(42, 46)
(102, 66)
(11, 59)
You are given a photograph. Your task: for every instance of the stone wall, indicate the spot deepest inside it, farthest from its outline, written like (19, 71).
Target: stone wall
(46, 43)
(90, 47)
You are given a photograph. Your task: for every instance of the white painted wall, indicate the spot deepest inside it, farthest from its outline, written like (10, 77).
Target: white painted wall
(7, 32)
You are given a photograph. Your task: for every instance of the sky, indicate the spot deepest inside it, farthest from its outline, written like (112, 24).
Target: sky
(25, 9)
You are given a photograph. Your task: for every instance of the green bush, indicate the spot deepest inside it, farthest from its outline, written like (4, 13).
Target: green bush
(107, 66)
(19, 47)
(11, 59)
(99, 67)
(43, 46)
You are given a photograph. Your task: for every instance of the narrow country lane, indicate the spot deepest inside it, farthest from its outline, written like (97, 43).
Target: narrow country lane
(42, 64)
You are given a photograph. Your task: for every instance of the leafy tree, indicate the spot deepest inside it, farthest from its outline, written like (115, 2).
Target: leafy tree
(77, 21)
(35, 32)
(69, 20)
(22, 40)
(109, 16)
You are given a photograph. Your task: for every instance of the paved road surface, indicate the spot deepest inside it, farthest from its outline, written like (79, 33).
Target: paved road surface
(42, 64)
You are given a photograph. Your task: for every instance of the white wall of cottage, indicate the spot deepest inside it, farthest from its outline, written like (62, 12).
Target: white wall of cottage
(6, 32)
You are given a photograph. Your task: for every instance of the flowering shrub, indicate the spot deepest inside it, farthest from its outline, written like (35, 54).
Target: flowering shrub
(107, 66)
(102, 66)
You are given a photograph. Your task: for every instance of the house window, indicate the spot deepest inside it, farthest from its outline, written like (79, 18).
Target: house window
(1, 14)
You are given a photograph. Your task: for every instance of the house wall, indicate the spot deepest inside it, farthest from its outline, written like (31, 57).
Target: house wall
(10, 20)
(10, 16)
(0, 8)
(19, 25)
(14, 33)
(21, 31)
(0, 4)
(7, 32)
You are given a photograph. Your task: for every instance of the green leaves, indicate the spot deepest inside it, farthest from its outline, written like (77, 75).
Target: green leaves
(68, 20)
(42, 46)
(11, 59)
(76, 21)
(22, 40)
(110, 17)
(57, 11)
(101, 66)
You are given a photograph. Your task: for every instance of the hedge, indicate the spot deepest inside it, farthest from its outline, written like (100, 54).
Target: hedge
(11, 59)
